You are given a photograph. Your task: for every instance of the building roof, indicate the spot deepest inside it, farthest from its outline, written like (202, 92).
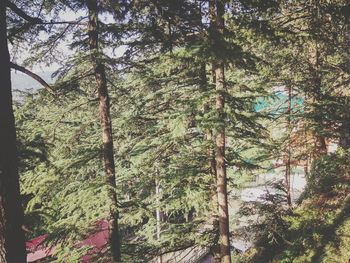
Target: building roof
(37, 249)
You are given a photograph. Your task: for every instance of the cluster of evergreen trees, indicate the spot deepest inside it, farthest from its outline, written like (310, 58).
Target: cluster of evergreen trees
(162, 108)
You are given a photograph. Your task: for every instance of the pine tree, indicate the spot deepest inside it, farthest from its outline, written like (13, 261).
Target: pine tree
(163, 117)
(12, 245)
(220, 138)
(106, 125)
(44, 49)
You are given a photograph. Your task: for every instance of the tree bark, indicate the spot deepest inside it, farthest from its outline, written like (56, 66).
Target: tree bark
(12, 242)
(289, 146)
(320, 140)
(214, 197)
(220, 138)
(213, 192)
(215, 250)
(158, 216)
(105, 119)
(344, 140)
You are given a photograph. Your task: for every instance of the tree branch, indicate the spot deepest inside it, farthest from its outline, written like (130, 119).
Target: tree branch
(22, 14)
(64, 22)
(35, 20)
(34, 76)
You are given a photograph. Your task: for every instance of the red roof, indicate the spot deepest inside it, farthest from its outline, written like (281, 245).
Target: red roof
(36, 249)
(98, 240)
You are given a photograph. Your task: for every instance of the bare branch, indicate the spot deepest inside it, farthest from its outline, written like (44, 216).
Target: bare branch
(33, 75)
(21, 13)
(64, 22)
(36, 20)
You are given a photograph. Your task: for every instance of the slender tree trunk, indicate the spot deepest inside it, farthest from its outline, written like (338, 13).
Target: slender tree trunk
(212, 168)
(307, 154)
(214, 197)
(215, 250)
(306, 168)
(320, 140)
(221, 172)
(288, 159)
(105, 118)
(287, 183)
(344, 140)
(220, 140)
(12, 243)
(158, 216)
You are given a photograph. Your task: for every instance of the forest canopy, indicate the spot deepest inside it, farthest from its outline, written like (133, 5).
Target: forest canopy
(175, 131)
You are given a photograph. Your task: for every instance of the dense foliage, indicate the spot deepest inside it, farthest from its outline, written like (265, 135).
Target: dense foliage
(180, 86)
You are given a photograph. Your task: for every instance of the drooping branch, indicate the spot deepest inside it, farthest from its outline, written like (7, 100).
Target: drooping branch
(34, 76)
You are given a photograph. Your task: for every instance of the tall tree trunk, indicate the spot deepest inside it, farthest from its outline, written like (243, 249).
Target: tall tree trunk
(220, 140)
(320, 140)
(158, 216)
(215, 250)
(307, 154)
(105, 118)
(344, 140)
(288, 157)
(12, 243)
(214, 197)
